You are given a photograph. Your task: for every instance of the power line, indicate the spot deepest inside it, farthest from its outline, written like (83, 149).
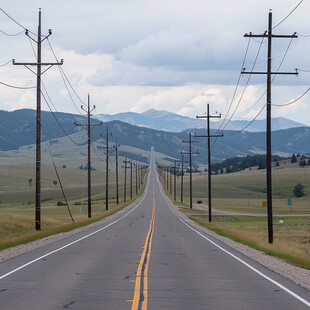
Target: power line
(11, 35)
(246, 85)
(287, 16)
(17, 87)
(236, 88)
(6, 63)
(303, 35)
(64, 74)
(15, 21)
(286, 104)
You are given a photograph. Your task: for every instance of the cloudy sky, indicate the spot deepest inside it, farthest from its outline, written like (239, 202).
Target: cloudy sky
(173, 55)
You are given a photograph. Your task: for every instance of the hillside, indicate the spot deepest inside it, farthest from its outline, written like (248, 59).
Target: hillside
(18, 129)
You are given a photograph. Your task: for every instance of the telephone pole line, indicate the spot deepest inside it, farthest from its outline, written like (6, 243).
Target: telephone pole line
(106, 148)
(87, 127)
(38, 73)
(208, 116)
(125, 181)
(269, 35)
(190, 153)
(116, 146)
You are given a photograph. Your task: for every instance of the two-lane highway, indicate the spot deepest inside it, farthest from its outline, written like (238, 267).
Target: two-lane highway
(147, 258)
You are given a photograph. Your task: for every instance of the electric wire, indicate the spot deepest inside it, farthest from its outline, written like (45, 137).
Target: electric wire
(246, 85)
(5, 63)
(303, 35)
(287, 16)
(11, 35)
(17, 87)
(15, 21)
(236, 132)
(289, 103)
(65, 76)
(77, 144)
(57, 174)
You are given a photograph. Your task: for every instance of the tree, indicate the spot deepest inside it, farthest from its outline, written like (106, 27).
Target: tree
(262, 164)
(293, 159)
(64, 166)
(277, 164)
(302, 163)
(308, 163)
(298, 190)
(81, 167)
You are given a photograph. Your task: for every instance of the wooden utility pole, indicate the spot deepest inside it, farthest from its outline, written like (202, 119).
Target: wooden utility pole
(38, 73)
(88, 128)
(269, 35)
(125, 181)
(136, 165)
(190, 153)
(130, 178)
(208, 116)
(116, 146)
(106, 148)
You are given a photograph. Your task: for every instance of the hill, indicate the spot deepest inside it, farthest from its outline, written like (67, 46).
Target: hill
(164, 120)
(18, 129)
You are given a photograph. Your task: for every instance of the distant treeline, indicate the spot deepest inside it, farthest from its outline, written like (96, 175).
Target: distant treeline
(136, 157)
(240, 163)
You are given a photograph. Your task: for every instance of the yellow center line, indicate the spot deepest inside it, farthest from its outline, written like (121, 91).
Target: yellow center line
(141, 294)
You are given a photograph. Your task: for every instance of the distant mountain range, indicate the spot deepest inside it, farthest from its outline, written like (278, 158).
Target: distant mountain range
(163, 120)
(17, 129)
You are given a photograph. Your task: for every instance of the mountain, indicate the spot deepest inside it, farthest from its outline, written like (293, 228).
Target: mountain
(164, 120)
(18, 129)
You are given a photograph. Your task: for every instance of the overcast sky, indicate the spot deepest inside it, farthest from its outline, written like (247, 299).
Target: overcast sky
(172, 55)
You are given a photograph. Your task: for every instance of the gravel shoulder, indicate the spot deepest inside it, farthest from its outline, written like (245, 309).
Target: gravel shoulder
(298, 275)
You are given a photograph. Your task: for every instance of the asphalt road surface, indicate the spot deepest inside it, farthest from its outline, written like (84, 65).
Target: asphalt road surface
(147, 258)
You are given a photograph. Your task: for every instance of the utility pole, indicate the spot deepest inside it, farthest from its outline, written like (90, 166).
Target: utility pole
(170, 169)
(136, 165)
(125, 185)
(269, 35)
(38, 73)
(106, 168)
(130, 178)
(190, 153)
(175, 180)
(182, 173)
(167, 172)
(208, 116)
(116, 146)
(87, 127)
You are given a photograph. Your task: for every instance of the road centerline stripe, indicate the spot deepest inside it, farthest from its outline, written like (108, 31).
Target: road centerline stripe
(141, 286)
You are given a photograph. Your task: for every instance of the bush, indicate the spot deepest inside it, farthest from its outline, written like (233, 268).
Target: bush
(59, 203)
(294, 159)
(299, 190)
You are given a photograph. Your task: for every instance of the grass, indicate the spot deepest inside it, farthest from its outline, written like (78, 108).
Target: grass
(291, 241)
(17, 205)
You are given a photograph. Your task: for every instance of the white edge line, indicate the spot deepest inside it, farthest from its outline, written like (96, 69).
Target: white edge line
(80, 239)
(234, 256)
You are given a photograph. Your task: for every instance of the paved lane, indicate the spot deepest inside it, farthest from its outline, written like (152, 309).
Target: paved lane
(146, 259)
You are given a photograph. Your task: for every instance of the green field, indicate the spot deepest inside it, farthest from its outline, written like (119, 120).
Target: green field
(17, 199)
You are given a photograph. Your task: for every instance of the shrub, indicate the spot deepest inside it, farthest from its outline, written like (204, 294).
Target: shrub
(59, 203)
(298, 190)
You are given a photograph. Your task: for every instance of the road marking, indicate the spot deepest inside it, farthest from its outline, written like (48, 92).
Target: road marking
(141, 287)
(307, 303)
(78, 240)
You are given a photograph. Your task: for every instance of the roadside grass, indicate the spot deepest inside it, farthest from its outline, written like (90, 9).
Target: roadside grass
(17, 218)
(291, 240)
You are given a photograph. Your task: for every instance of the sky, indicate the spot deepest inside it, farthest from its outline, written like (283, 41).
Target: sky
(172, 55)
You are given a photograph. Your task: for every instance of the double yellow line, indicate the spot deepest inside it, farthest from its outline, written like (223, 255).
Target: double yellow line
(141, 286)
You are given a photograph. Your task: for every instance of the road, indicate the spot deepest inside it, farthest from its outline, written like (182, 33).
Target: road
(147, 258)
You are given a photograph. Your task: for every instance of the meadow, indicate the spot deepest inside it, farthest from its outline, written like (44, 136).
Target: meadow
(17, 205)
